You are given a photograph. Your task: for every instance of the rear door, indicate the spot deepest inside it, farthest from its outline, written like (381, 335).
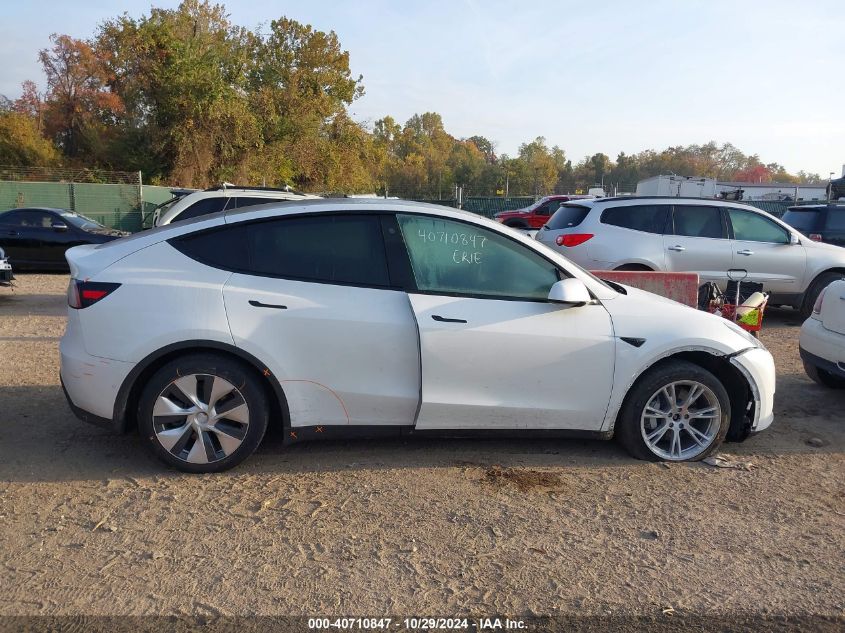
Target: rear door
(763, 248)
(495, 353)
(698, 242)
(11, 237)
(315, 298)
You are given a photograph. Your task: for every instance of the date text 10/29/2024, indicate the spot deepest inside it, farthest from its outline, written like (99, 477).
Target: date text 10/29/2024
(417, 624)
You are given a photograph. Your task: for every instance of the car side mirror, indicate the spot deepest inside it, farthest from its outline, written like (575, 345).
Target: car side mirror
(59, 226)
(794, 239)
(570, 291)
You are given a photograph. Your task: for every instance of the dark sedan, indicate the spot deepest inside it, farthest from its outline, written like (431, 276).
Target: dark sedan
(37, 238)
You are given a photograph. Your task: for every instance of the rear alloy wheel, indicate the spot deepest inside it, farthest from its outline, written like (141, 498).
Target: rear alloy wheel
(203, 413)
(676, 412)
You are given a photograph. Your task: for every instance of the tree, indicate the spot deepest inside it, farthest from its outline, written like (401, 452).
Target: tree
(21, 142)
(80, 105)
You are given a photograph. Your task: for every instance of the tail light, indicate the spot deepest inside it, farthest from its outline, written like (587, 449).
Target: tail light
(81, 294)
(573, 239)
(816, 237)
(817, 307)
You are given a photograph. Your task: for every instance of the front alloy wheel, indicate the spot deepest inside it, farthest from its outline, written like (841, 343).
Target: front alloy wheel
(676, 411)
(681, 420)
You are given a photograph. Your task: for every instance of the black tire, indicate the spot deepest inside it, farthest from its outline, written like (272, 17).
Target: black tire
(634, 267)
(628, 429)
(823, 377)
(247, 390)
(819, 283)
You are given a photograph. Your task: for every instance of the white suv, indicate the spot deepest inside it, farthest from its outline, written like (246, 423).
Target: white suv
(334, 317)
(223, 198)
(706, 236)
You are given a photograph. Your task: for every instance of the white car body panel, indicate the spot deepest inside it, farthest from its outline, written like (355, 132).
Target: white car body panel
(668, 328)
(343, 355)
(513, 364)
(823, 335)
(348, 355)
(166, 296)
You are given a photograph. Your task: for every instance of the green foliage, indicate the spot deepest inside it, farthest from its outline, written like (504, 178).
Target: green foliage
(22, 144)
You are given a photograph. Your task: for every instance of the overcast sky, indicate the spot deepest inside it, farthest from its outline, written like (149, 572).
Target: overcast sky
(767, 76)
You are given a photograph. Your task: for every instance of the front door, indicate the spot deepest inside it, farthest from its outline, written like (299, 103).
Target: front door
(494, 352)
(763, 248)
(697, 241)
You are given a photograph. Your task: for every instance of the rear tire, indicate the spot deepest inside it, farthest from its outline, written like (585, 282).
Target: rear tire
(634, 267)
(676, 411)
(819, 283)
(823, 377)
(203, 413)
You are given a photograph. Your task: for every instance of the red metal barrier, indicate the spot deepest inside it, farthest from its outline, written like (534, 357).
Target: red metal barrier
(681, 287)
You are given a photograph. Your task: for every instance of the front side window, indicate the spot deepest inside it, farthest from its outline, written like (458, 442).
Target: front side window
(753, 227)
(326, 248)
(698, 221)
(649, 218)
(452, 257)
(36, 219)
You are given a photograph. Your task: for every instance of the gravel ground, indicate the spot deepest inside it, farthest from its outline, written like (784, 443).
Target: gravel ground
(91, 525)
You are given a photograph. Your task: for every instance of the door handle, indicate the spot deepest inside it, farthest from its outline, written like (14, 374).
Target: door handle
(437, 317)
(677, 248)
(745, 252)
(258, 304)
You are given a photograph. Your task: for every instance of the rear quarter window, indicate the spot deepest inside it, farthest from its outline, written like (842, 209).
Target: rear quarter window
(649, 218)
(567, 216)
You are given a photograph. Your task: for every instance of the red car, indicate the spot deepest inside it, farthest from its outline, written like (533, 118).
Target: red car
(536, 215)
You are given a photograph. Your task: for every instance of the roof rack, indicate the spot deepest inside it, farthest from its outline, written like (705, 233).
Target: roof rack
(228, 185)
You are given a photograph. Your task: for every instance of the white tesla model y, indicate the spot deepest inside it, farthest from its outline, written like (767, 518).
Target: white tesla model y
(334, 317)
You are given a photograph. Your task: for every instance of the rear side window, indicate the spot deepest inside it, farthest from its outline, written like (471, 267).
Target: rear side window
(567, 216)
(202, 207)
(698, 221)
(753, 227)
(325, 248)
(649, 218)
(806, 221)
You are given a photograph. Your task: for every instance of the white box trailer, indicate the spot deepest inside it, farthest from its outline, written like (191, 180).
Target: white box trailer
(677, 186)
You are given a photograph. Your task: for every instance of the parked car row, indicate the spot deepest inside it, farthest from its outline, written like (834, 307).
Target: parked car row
(710, 237)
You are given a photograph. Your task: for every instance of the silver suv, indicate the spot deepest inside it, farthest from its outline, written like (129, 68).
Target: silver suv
(699, 235)
(225, 197)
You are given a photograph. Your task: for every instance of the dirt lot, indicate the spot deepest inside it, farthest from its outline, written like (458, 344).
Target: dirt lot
(90, 524)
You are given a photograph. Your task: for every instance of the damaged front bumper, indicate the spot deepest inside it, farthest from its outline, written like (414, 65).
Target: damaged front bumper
(758, 367)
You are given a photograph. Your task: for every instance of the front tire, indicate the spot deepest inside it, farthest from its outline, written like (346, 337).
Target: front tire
(824, 378)
(203, 413)
(819, 283)
(677, 411)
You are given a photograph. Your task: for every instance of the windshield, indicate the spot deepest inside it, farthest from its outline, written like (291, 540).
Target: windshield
(81, 222)
(805, 220)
